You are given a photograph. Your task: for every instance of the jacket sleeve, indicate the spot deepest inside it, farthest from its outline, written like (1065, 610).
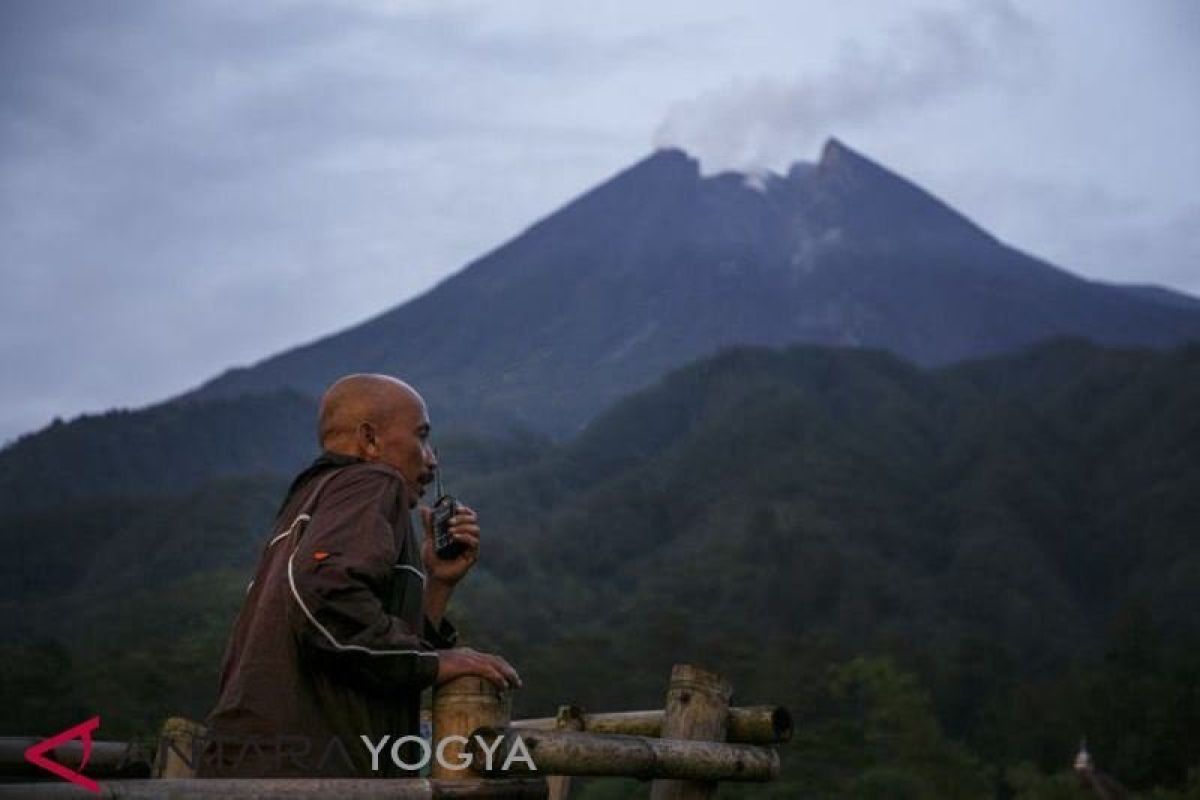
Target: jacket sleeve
(339, 573)
(443, 636)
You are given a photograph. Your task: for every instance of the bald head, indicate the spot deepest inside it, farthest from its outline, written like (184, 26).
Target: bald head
(381, 419)
(377, 400)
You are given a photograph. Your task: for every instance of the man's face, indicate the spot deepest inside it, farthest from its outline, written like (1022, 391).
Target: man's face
(403, 443)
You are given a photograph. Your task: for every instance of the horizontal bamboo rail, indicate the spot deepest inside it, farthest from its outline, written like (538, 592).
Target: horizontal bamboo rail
(285, 789)
(644, 757)
(746, 724)
(107, 760)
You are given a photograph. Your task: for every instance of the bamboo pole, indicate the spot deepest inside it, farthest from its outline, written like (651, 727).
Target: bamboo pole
(108, 759)
(459, 707)
(644, 757)
(697, 710)
(285, 789)
(745, 724)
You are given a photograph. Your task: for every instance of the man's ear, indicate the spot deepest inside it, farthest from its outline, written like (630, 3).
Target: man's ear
(368, 442)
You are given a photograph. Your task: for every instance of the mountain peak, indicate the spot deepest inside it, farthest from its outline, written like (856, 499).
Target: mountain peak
(665, 167)
(668, 159)
(659, 265)
(833, 150)
(669, 153)
(837, 158)
(877, 201)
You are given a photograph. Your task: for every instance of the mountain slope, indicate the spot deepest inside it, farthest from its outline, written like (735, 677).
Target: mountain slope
(661, 265)
(166, 448)
(652, 269)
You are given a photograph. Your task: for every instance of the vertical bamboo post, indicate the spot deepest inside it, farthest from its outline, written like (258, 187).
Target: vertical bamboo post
(459, 707)
(569, 718)
(697, 709)
(178, 752)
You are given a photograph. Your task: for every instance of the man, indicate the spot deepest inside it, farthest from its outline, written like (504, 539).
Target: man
(343, 624)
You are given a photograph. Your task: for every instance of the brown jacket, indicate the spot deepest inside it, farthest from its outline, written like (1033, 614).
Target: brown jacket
(331, 642)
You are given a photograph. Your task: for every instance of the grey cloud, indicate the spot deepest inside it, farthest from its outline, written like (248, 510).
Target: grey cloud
(186, 186)
(194, 184)
(762, 123)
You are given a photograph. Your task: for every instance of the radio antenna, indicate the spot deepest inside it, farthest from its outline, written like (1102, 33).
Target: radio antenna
(437, 475)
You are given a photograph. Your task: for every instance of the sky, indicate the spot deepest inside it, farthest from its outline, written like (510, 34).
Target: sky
(191, 185)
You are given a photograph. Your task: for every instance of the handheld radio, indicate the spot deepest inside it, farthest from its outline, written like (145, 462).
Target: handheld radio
(444, 546)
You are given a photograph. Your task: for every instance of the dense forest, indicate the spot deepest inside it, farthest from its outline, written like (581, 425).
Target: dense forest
(949, 575)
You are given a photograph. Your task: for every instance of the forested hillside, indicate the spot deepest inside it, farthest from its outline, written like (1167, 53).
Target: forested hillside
(949, 575)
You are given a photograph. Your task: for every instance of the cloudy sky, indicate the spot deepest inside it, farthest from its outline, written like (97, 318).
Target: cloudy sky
(186, 186)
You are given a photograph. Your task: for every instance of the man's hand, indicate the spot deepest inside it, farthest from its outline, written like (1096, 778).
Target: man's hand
(459, 661)
(464, 528)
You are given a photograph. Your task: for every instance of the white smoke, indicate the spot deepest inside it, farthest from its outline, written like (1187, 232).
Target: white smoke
(934, 54)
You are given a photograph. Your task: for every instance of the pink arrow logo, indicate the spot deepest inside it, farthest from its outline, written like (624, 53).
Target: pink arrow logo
(35, 754)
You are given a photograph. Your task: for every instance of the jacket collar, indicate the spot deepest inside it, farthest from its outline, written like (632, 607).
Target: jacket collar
(326, 461)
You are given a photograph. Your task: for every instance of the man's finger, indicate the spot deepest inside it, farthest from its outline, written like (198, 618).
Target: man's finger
(427, 520)
(495, 676)
(468, 541)
(495, 669)
(509, 672)
(507, 668)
